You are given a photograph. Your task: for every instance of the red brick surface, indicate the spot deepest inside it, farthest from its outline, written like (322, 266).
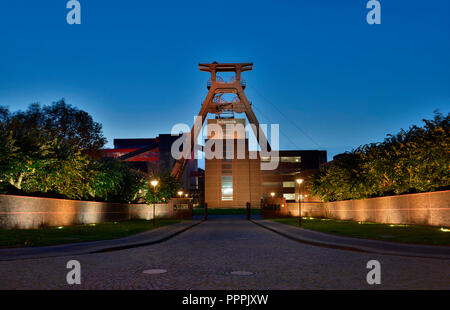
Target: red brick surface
(33, 212)
(431, 208)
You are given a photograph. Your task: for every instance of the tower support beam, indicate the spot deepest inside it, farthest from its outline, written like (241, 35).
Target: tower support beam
(216, 87)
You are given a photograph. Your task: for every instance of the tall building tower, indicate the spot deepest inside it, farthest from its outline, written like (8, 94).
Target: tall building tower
(234, 178)
(232, 174)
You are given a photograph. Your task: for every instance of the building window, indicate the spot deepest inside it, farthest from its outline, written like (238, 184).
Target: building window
(289, 196)
(288, 184)
(271, 184)
(227, 169)
(227, 188)
(291, 159)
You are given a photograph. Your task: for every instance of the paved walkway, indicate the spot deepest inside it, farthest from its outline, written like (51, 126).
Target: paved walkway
(205, 256)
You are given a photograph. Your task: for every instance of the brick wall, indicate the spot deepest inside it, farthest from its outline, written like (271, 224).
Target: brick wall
(33, 212)
(432, 209)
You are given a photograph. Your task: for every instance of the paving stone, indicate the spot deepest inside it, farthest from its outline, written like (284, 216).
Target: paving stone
(204, 256)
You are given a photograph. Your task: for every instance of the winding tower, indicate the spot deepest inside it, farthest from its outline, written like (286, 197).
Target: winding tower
(215, 104)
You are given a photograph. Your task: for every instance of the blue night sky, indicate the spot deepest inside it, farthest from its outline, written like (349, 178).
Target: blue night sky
(133, 65)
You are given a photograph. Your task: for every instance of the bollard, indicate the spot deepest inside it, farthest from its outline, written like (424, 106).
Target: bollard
(248, 211)
(206, 212)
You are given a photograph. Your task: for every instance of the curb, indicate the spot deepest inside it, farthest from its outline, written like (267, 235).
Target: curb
(100, 246)
(345, 243)
(139, 244)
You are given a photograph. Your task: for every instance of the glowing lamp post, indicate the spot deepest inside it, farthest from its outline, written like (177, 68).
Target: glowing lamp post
(272, 194)
(180, 193)
(300, 196)
(154, 183)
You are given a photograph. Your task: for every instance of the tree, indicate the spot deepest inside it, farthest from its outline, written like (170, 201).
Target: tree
(113, 180)
(7, 149)
(166, 188)
(48, 150)
(414, 160)
(72, 125)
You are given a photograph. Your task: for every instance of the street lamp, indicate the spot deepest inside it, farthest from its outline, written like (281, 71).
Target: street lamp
(272, 194)
(180, 193)
(300, 196)
(154, 183)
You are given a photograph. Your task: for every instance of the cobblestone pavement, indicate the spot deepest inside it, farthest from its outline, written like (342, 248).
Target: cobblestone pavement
(204, 257)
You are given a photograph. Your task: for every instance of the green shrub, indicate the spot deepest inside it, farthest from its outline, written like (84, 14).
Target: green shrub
(412, 161)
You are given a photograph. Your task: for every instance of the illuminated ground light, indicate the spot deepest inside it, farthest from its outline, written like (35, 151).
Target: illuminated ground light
(59, 227)
(398, 225)
(445, 229)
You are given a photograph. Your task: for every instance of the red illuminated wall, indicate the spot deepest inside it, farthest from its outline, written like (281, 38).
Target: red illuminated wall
(33, 212)
(431, 209)
(116, 152)
(149, 156)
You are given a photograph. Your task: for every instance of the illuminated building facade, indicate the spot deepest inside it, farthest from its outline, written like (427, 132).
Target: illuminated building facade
(232, 180)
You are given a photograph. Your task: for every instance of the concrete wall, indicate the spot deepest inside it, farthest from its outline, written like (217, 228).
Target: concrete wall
(431, 209)
(33, 212)
(309, 209)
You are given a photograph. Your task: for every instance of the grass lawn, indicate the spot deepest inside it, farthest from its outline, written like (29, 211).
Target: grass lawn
(201, 211)
(399, 233)
(78, 233)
